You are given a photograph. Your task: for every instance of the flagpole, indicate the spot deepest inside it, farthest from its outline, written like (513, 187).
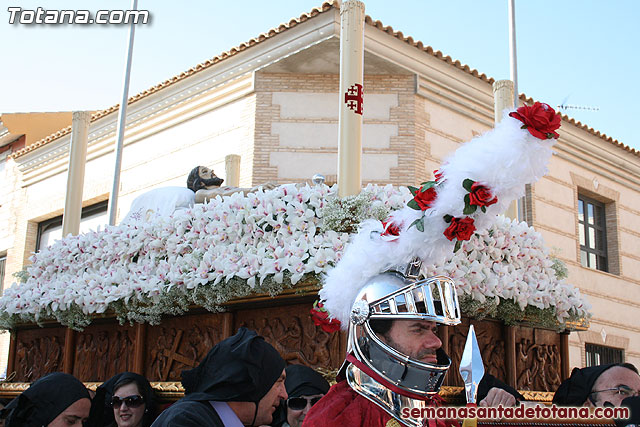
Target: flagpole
(520, 204)
(122, 115)
(512, 52)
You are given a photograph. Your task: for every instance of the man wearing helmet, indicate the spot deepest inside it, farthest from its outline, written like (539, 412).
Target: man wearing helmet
(395, 359)
(400, 365)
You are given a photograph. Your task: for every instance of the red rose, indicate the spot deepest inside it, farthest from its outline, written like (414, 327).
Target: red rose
(425, 198)
(320, 317)
(481, 195)
(460, 228)
(390, 229)
(540, 120)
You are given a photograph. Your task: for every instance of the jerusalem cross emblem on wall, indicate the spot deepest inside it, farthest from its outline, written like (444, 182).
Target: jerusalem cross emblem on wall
(354, 98)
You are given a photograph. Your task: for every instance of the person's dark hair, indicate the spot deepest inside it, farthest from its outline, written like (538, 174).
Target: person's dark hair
(193, 180)
(381, 326)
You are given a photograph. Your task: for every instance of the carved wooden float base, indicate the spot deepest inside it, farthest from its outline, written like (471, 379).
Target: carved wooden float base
(524, 357)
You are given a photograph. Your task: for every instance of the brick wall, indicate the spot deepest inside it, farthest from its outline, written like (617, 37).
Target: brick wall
(407, 144)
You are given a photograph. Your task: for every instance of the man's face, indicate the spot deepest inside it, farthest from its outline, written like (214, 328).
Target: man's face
(208, 177)
(417, 339)
(205, 172)
(623, 381)
(270, 401)
(295, 417)
(76, 414)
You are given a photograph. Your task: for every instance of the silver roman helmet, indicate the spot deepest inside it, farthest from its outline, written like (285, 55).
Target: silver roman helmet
(393, 295)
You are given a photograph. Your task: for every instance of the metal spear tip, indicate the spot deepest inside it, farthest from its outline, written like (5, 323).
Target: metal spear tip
(471, 366)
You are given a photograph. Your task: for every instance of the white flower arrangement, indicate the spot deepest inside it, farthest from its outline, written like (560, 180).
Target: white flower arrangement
(508, 262)
(262, 242)
(205, 255)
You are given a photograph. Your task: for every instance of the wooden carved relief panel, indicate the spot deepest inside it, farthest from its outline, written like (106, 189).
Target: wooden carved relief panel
(492, 348)
(103, 350)
(292, 332)
(180, 343)
(38, 352)
(538, 363)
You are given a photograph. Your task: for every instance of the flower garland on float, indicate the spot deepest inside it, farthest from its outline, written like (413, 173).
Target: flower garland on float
(462, 201)
(269, 240)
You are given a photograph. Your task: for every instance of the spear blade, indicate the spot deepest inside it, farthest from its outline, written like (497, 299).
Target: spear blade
(471, 366)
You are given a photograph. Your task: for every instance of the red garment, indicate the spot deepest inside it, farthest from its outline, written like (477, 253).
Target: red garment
(343, 407)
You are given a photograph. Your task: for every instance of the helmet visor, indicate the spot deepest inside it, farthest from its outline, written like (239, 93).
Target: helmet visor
(433, 299)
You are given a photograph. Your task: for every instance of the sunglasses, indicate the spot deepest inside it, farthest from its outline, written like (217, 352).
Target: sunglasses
(299, 403)
(130, 401)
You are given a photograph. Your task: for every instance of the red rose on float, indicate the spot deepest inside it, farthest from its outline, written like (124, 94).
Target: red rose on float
(425, 197)
(481, 195)
(390, 229)
(320, 317)
(460, 228)
(539, 119)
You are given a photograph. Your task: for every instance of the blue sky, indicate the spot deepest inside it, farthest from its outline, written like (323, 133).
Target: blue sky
(581, 52)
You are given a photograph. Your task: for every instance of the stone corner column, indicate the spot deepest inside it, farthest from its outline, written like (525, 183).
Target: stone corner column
(232, 170)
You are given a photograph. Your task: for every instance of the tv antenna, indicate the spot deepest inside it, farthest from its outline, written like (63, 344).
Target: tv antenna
(564, 106)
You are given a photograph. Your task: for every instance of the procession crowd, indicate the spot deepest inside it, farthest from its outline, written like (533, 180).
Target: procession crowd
(243, 381)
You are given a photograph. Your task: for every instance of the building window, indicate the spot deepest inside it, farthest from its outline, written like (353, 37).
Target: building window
(593, 233)
(599, 354)
(92, 217)
(3, 267)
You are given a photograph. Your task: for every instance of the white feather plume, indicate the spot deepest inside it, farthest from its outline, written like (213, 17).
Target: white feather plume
(504, 159)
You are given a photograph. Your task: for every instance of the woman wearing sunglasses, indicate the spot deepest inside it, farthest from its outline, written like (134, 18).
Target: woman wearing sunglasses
(125, 400)
(305, 388)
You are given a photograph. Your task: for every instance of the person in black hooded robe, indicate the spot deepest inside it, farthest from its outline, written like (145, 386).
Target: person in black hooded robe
(239, 382)
(304, 387)
(616, 384)
(54, 400)
(102, 412)
(592, 386)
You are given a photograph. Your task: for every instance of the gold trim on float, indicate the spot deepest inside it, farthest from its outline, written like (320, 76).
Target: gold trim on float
(167, 390)
(173, 390)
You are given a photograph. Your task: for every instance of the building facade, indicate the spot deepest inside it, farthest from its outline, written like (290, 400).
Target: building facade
(274, 102)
